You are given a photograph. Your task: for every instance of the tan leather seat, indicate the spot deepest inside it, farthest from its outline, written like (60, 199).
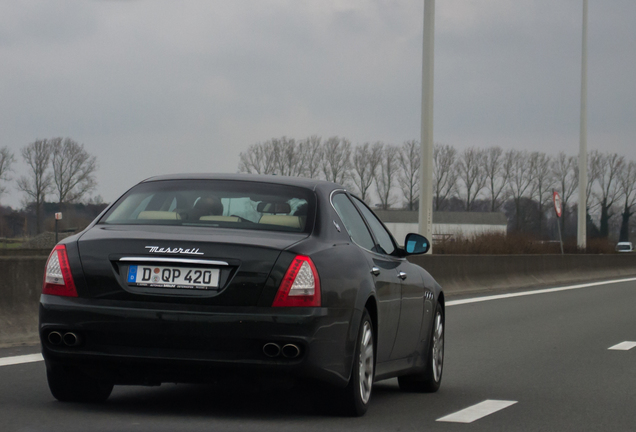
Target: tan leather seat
(220, 218)
(282, 220)
(156, 215)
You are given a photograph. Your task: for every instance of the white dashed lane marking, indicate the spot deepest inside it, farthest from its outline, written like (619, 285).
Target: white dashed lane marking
(476, 412)
(29, 358)
(623, 346)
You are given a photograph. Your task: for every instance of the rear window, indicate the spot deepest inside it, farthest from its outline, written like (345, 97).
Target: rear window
(215, 203)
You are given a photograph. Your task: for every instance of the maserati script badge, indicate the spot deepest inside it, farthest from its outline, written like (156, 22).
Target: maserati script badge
(167, 250)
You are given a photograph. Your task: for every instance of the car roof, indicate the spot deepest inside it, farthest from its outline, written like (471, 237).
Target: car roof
(307, 183)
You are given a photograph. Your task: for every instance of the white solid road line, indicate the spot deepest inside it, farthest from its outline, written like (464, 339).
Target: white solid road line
(29, 358)
(535, 292)
(623, 346)
(476, 412)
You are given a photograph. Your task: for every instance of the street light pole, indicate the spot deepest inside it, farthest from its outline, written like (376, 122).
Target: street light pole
(582, 213)
(426, 157)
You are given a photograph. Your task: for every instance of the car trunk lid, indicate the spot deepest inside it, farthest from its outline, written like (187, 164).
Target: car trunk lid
(242, 260)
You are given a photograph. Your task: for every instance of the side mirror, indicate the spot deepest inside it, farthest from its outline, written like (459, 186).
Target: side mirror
(415, 244)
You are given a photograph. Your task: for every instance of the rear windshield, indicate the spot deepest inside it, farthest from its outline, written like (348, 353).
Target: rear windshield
(215, 203)
(623, 247)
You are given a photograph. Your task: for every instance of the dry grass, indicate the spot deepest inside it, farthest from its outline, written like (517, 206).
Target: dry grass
(514, 244)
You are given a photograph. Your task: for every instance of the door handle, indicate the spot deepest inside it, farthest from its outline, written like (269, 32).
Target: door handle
(402, 275)
(375, 271)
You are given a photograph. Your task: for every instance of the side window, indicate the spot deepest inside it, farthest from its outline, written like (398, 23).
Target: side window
(380, 233)
(352, 221)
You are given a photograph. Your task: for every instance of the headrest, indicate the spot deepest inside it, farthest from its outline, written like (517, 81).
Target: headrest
(209, 205)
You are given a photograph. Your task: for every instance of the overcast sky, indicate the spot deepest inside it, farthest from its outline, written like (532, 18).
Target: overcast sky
(154, 87)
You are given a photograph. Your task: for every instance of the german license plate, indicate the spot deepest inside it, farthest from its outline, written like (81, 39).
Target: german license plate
(173, 277)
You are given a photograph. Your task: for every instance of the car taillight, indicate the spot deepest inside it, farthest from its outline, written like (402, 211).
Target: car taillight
(300, 286)
(57, 276)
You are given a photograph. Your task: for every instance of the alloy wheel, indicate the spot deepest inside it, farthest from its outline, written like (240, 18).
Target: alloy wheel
(438, 348)
(365, 366)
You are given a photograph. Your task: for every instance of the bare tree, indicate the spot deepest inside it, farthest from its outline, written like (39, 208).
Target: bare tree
(311, 150)
(497, 169)
(385, 179)
(472, 174)
(366, 158)
(37, 184)
(520, 180)
(608, 166)
(73, 170)
(565, 170)
(444, 173)
(409, 175)
(259, 158)
(336, 161)
(627, 182)
(288, 158)
(543, 182)
(7, 159)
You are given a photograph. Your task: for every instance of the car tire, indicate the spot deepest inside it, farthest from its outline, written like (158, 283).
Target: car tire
(69, 385)
(356, 396)
(430, 380)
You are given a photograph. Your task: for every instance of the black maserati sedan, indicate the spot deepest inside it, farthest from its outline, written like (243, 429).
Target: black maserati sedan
(189, 278)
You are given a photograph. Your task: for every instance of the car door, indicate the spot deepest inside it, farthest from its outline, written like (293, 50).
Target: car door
(384, 271)
(409, 336)
(412, 292)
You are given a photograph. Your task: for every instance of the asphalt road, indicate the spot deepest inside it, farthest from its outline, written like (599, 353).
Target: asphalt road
(549, 353)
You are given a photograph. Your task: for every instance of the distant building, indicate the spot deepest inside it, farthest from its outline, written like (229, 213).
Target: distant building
(445, 224)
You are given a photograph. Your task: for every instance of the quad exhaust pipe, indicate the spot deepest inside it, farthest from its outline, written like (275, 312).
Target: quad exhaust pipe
(289, 351)
(55, 338)
(70, 339)
(271, 349)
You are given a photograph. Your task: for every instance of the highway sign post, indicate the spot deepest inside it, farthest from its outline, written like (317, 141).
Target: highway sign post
(582, 211)
(558, 210)
(58, 216)
(425, 215)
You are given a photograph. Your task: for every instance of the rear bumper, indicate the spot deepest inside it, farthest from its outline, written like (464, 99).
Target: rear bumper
(175, 343)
